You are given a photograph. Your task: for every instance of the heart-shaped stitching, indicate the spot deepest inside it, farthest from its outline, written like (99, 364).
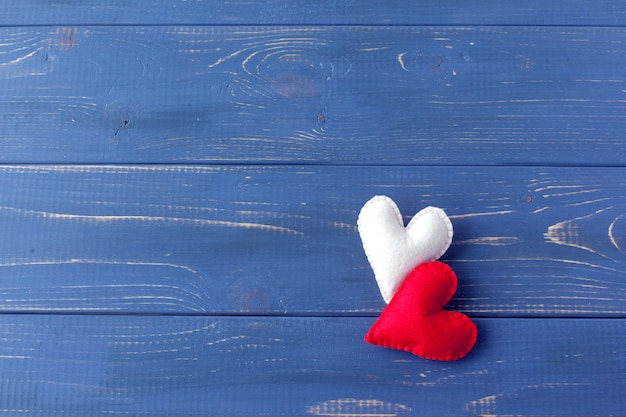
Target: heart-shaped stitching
(393, 250)
(414, 320)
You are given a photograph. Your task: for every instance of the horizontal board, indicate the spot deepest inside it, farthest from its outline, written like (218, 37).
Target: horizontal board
(530, 12)
(282, 240)
(330, 95)
(188, 366)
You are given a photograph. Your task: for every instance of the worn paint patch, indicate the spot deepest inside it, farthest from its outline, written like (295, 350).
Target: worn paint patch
(352, 407)
(488, 213)
(139, 219)
(488, 406)
(65, 37)
(616, 233)
(490, 241)
(577, 232)
(152, 286)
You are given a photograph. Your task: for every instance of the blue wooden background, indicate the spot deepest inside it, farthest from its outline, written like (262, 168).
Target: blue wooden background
(180, 181)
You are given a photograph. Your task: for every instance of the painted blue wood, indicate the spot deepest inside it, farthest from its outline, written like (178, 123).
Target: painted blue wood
(324, 12)
(188, 366)
(240, 288)
(283, 240)
(328, 95)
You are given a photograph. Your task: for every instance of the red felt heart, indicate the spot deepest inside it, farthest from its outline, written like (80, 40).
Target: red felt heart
(415, 321)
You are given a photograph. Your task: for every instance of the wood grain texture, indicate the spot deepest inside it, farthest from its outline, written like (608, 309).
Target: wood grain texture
(327, 95)
(182, 179)
(188, 366)
(324, 12)
(283, 240)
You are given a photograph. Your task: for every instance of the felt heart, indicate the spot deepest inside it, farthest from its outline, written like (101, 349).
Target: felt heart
(414, 320)
(393, 250)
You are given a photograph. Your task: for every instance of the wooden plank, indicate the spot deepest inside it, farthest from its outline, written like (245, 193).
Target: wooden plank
(282, 239)
(187, 366)
(324, 12)
(331, 95)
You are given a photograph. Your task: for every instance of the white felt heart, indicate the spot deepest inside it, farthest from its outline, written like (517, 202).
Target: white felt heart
(393, 250)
